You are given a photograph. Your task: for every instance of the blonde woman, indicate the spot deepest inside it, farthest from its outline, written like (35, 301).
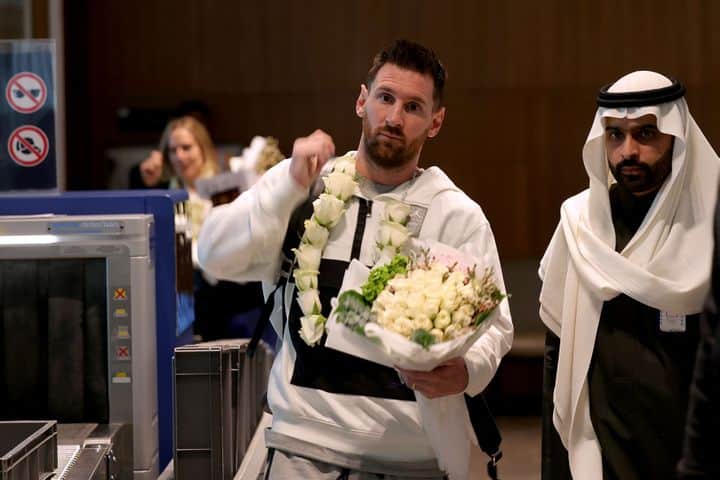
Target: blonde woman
(186, 153)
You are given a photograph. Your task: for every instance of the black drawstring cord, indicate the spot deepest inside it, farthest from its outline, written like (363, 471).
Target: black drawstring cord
(268, 464)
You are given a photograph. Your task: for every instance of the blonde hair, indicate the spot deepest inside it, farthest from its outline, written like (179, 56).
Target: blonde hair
(202, 137)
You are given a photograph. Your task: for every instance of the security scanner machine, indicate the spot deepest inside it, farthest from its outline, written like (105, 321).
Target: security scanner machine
(91, 308)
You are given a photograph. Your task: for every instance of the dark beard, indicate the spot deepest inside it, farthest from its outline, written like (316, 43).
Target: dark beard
(385, 152)
(649, 179)
(388, 153)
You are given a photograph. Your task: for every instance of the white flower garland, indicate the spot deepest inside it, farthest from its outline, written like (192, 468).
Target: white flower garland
(328, 209)
(393, 232)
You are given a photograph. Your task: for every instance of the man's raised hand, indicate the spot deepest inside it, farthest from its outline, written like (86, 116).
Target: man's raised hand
(309, 156)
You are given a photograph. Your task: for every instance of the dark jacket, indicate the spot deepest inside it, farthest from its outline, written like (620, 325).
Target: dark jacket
(700, 454)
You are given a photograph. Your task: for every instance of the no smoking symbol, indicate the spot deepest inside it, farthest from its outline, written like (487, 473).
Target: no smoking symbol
(28, 146)
(26, 92)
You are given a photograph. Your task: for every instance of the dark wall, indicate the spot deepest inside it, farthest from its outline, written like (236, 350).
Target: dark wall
(523, 76)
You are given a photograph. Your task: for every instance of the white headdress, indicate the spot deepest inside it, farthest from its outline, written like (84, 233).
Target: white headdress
(666, 264)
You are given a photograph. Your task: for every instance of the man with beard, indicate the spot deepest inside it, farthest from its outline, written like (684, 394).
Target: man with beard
(624, 278)
(335, 415)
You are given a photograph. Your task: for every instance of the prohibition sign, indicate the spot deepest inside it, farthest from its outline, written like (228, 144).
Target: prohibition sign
(28, 146)
(26, 92)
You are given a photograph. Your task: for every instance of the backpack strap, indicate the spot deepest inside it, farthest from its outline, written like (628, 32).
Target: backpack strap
(486, 431)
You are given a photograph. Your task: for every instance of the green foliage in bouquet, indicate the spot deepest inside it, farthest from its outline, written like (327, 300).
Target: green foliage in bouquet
(353, 311)
(380, 276)
(423, 337)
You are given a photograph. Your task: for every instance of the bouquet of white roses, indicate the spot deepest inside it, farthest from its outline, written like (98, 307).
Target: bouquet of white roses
(416, 311)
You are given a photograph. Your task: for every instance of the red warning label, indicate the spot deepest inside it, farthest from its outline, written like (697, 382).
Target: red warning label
(28, 146)
(26, 92)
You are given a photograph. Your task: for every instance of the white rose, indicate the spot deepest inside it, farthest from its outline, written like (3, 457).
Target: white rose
(309, 302)
(466, 309)
(461, 319)
(467, 292)
(401, 299)
(305, 279)
(414, 310)
(340, 185)
(452, 331)
(392, 233)
(312, 328)
(404, 326)
(386, 315)
(415, 299)
(431, 306)
(400, 283)
(423, 321)
(437, 333)
(345, 165)
(328, 210)
(442, 320)
(395, 312)
(315, 234)
(450, 300)
(397, 212)
(384, 299)
(385, 254)
(308, 257)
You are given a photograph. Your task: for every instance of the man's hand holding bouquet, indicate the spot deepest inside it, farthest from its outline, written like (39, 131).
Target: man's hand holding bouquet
(420, 313)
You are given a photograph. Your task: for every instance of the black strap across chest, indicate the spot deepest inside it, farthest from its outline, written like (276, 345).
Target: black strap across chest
(330, 370)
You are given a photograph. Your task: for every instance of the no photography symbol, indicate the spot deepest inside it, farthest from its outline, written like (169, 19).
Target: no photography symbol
(26, 92)
(28, 146)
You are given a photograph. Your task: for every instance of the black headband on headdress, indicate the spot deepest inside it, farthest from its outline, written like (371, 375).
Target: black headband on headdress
(640, 98)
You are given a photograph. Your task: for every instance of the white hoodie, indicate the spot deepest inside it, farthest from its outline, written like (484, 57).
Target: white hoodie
(242, 241)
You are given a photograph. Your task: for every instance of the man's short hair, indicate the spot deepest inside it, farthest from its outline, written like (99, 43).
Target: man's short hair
(412, 56)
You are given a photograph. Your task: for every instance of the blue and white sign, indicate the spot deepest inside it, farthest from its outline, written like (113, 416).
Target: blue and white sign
(27, 116)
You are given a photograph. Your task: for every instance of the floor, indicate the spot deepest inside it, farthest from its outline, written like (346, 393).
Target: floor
(521, 450)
